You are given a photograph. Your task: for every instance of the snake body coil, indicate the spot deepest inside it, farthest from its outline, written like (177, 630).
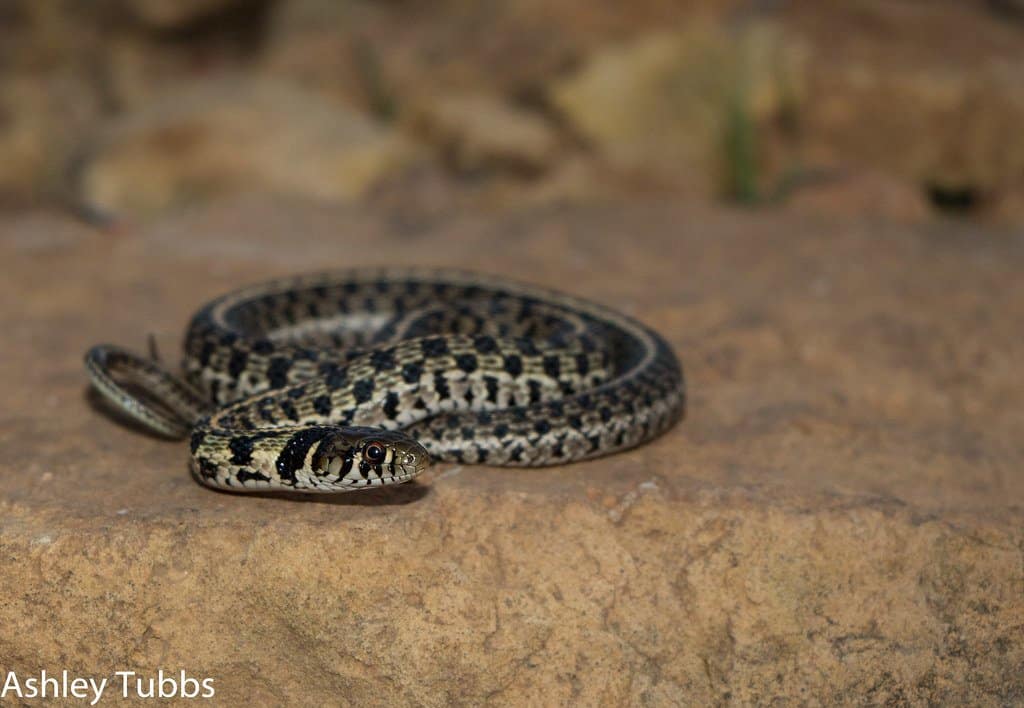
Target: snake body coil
(356, 379)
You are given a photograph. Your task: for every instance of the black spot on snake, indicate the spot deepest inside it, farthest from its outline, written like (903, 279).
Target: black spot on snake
(241, 450)
(289, 410)
(412, 372)
(239, 360)
(248, 475)
(322, 404)
(582, 364)
(552, 366)
(441, 386)
(277, 371)
(390, 406)
(466, 362)
(293, 455)
(492, 388)
(383, 359)
(513, 365)
(207, 468)
(485, 344)
(362, 390)
(334, 376)
(434, 346)
(206, 352)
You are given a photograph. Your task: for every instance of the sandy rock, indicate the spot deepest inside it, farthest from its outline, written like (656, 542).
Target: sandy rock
(231, 134)
(669, 105)
(481, 132)
(838, 520)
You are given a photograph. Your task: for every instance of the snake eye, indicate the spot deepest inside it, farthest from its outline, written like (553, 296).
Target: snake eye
(375, 453)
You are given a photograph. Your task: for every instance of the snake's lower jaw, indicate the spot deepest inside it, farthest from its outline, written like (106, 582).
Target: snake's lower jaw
(407, 472)
(410, 460)
(405, 477)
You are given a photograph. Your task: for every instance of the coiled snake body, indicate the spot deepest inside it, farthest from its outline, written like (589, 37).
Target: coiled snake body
(357, 379)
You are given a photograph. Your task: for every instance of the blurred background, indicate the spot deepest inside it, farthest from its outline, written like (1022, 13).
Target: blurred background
(125, 110)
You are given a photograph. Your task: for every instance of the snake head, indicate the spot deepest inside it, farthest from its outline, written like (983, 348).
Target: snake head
(356, 458)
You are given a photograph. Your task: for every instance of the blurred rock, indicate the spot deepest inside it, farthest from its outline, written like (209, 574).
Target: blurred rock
(926, 92)
(704, 98)
(953, 129)
(412, 51)
(479, 132)
(577, 179)
(48, 98)
(858, 194)
(231, 134)
(670, 105)
(1005, 206)
(25, 135)
(135, 70)
(170, 14)
(1009, 8)
(40, 119)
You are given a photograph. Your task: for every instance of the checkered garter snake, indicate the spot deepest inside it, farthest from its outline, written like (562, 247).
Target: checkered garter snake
(356, 379)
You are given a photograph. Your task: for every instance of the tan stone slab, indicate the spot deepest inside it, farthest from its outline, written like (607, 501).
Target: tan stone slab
(839, 517)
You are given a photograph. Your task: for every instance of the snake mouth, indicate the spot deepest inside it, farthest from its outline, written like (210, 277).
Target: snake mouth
(402, 473)
(408, 472)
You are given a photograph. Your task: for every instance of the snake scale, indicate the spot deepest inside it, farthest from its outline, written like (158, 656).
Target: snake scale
(355, 379)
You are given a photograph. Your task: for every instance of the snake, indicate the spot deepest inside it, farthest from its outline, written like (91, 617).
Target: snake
(361, 378)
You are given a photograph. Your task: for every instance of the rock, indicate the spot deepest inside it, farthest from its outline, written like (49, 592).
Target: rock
(838, 520)
(856, 194)
(171, 14)
(1005, 207)
(716, 111)
(669, 105)
(38, 120)
(579, 179)
(137, 71)
(231, 134)
(25, 135)
(46, 99)
(478, 132)
(407, 54)
(1010, 8)
(950, 129)
(943, 113)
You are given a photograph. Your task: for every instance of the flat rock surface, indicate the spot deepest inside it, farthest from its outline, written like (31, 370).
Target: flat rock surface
(839, 518)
